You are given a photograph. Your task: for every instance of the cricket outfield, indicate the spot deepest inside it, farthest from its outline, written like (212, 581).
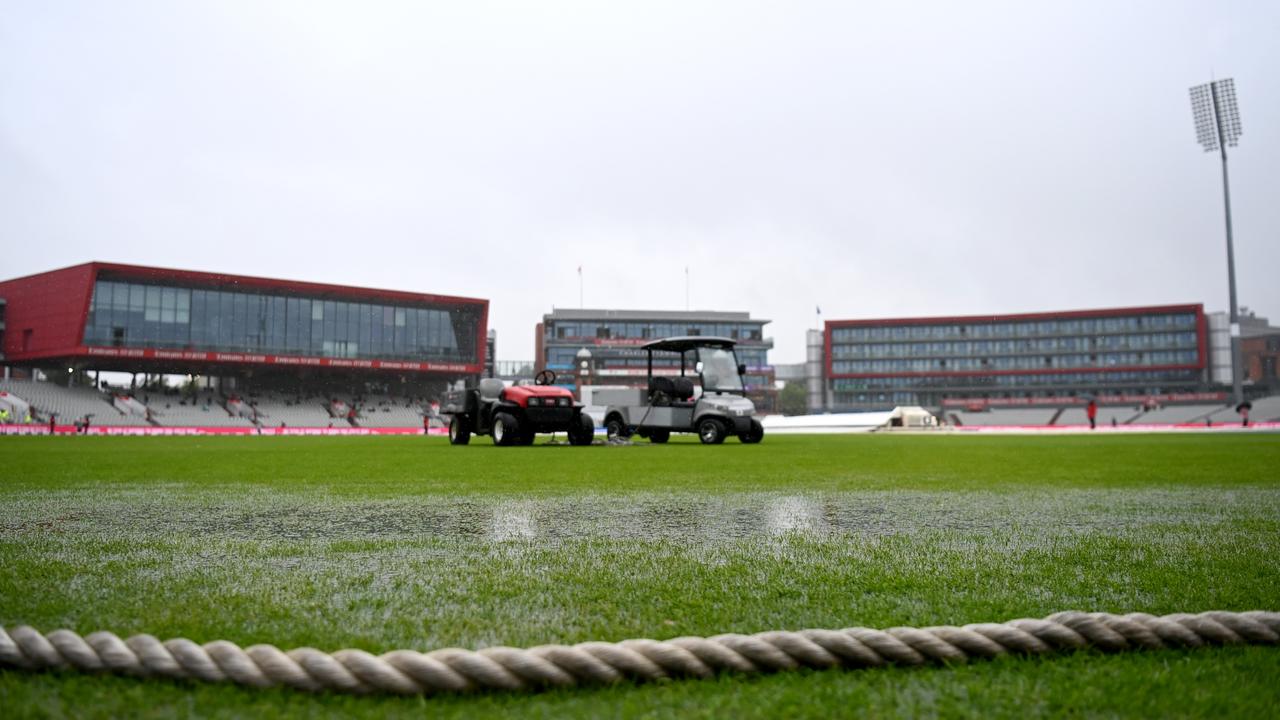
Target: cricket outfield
(406, 542)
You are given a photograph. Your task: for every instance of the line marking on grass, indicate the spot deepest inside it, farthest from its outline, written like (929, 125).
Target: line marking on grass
(408, 672)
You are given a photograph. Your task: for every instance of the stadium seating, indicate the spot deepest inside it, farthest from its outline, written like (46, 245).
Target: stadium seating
(315, 411)
(1077, 416)
(209, 409)
(1264, 409)
(386, 412)
(275, 408)
(1019, 416)
(1175, 415)
(70, 404)
(173, 412)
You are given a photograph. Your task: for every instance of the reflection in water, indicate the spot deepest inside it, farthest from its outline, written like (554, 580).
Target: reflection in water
(513, 521)
(792, 514)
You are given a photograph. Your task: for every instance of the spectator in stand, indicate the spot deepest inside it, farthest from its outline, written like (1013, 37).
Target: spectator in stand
(1092, 411)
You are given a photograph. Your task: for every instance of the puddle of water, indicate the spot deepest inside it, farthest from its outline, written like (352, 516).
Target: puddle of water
(680, 517)
(513, 521)
(795, 514)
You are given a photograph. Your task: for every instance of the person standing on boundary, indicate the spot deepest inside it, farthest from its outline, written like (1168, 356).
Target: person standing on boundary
(1092, 411)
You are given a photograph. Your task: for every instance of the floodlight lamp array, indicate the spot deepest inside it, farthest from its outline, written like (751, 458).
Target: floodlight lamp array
(1202, 111)
(1214, 108)
(1228, 111)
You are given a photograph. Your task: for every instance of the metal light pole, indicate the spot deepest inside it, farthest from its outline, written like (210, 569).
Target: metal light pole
(1218, 125)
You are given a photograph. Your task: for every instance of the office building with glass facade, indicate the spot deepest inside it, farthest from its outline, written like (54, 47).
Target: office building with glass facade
(613, 339)
(1049, 359)
(121, 317)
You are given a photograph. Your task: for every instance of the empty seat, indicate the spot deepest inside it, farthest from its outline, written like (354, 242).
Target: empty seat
(491, 388)
(663, 385)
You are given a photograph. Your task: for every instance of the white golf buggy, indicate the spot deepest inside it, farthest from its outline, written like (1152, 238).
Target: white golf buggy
(714, 408)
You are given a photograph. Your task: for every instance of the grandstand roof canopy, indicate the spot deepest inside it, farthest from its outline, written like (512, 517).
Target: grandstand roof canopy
(129, 317)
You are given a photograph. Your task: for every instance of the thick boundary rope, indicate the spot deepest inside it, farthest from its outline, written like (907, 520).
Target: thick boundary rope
(408, 672)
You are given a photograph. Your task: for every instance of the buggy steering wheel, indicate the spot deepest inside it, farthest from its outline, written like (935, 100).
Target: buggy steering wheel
(546, 377)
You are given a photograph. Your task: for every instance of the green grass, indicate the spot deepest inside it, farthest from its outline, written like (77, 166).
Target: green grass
(406, 542)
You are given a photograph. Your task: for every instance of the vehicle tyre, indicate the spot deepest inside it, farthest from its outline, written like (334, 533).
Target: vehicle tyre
(584, 432)
(659, 436)
(711, 431)
(506, 431)
(616, 429)
(527, 437)
(754, 435)
(459, 431)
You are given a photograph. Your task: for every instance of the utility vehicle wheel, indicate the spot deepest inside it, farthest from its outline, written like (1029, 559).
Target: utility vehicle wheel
(711, 431)
(506, 431)
(459, 433)
(659, 436)
(754, 435)
(527, 437)
(584, 432)
(614, 428)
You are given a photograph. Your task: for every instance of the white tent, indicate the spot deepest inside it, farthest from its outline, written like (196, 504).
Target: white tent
(905, 417)
(17, 407)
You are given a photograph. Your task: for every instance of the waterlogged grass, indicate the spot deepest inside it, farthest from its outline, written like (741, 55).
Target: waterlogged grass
(407, 542)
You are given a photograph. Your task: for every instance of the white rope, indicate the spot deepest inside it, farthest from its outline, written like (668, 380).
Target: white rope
(408, 672)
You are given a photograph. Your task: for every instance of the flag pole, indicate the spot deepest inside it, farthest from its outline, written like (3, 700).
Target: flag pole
(580, 305)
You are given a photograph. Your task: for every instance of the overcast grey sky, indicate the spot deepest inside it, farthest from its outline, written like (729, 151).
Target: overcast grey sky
(872, 158)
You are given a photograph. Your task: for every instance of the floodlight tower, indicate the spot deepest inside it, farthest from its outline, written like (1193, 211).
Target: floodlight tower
(1218, 125)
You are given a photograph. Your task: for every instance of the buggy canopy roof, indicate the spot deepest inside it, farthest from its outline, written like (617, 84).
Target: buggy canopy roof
(688, 342)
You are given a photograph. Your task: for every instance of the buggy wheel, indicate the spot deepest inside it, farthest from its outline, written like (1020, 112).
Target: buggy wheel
(459, 432)
(615, 429)
(659, 436)
(584, 432)
(711, 431)
(506, 431)
(527, 437)
(754, 435)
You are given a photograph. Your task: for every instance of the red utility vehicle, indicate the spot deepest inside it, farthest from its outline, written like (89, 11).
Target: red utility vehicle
(514, 415)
